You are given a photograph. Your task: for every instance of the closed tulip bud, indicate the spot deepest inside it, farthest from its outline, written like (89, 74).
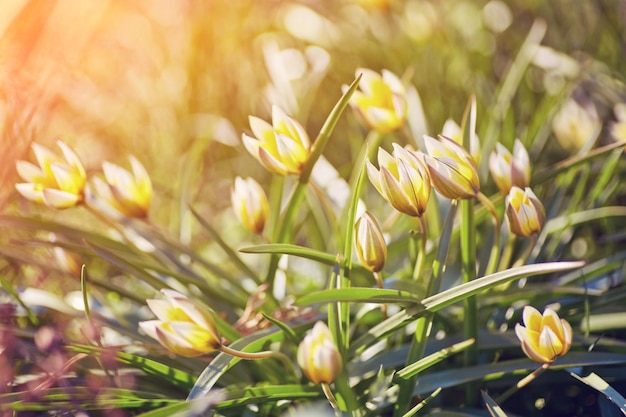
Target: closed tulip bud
(510, 169)
(524, 212)
(402, 179)
(122, 193)
(370, 243)
(318, 355)
(452, 170)
(543, 337)
(380, 101)
(57, 182)
(283, 147)
(250, 204)
(182, 326)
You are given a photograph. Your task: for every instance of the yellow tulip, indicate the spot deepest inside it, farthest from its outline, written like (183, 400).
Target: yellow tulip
(402, 179)
(509, 169)
(318, 355)
(576, 125)
(283, 147)
(380, 100)
(250, 204)
(122, 193)
(370, 243)
(452, 170)
(452, 130)
(57, 182)
(544, 337)
(182, 326)
(524, 212)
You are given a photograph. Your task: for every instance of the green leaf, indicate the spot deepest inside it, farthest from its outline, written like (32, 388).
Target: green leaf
(494, 409)
(294, 250)
(432, 359)
(446, 298)
(596, 382)
(355, 294)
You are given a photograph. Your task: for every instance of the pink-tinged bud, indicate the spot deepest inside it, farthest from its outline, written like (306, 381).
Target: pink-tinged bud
(524, 212)
(250, 204)
(57, 182)
(370, 243)
(543, 337)
(402, 179)
(182, 326)
(283, 147)
(452, 170)
(509, 169)
(380, 100)
(318, 355)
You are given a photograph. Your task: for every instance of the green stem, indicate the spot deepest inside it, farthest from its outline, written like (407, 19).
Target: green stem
(523, 382)
(523, 259)
(495, 249)
(470, 305)
(331, 398)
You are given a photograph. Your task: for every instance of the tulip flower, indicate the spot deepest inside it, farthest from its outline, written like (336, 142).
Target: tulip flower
(544, 337)
(57, 182)
(452, 170)
(122, 194)
(452, 130)
(402, 179)
(510, 169)
(283, 147)
(318, 355)
(524, 212)
(182, 326)
(370, 243)
(575, 125)
(250, 204)
(380, 101)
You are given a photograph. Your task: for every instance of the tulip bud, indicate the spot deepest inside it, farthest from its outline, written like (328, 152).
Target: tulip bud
(510, 169)
(544, 337)
(380, 101)
(57, 182)
(402, 180)
(250, 204)
(452, 170)
(318, 355)
(282, 147)
(182, 326)
(370, 243)
(524, 212)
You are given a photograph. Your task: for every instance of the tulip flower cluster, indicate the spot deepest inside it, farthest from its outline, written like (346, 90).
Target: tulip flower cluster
(62, 183)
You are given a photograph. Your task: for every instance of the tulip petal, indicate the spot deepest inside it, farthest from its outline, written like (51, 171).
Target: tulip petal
(59, 199)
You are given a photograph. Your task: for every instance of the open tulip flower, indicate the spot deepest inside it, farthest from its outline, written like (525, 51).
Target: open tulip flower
(57, 182)
(182, 326)
(283, 147)
(123, 194)
(402, 179)
(250, 204)
(318, 355)
(380, 101)
(452, 170)
(544, 337)
(510, 169)
(524, 212)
